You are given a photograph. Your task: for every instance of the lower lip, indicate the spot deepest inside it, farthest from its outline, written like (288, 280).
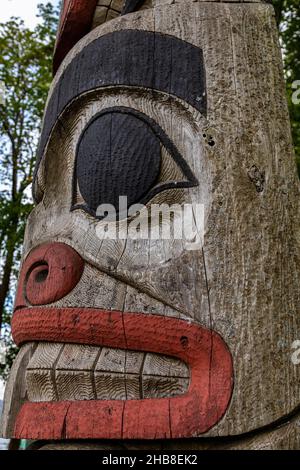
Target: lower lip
(186, 416)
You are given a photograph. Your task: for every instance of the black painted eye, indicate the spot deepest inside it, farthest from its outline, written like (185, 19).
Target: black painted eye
(120, 154)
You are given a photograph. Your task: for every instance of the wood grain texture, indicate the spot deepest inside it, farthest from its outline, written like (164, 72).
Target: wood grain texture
(81, 372)
(99, 15)
(164, 366)
(40, 385)
(163, 387)
(188, 297)
(78, 357)
(15, 391)
(45, 356)
(74, 385)
(110, 386)
(111, 14)
(107, 10)
(95, 289)
(73, 373)
(111, 360)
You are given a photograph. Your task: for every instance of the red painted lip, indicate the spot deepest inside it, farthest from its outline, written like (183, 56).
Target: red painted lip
(186, 416)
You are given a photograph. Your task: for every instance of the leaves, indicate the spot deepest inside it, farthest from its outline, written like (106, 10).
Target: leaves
(288, 14)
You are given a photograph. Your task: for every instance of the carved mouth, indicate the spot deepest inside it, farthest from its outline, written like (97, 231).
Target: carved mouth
(188, 415)
(109, 374)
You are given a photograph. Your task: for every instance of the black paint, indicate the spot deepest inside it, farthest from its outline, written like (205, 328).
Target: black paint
(119, 154)
(134, 58)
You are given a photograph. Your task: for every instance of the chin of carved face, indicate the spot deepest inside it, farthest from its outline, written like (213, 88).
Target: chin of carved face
(96, 372)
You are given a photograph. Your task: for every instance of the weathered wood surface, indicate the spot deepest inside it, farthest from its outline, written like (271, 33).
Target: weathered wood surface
(80, 372)
(283, 437)
(247, 288)
(15, 391)
(107, 10)
(243, 282)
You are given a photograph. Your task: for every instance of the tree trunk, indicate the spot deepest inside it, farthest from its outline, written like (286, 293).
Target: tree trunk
(7, 270)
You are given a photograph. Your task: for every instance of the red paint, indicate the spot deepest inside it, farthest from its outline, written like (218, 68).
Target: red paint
(75, 22)
(49, 417)
(85, 418)
(189, 415)
(48, 274)
(69, 325)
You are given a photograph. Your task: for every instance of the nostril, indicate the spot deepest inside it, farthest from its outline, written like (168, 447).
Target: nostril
(38, 273)
(50, 273)
(36, 284)
(42, 275)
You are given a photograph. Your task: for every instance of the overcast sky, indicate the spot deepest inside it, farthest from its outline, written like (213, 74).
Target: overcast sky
(25, 9)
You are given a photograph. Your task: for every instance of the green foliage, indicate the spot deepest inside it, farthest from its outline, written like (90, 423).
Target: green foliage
(288, 17)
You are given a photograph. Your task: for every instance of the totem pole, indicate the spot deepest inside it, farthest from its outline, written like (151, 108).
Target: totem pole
(159, 343)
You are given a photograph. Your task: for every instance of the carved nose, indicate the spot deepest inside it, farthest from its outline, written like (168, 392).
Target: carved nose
(49, 273)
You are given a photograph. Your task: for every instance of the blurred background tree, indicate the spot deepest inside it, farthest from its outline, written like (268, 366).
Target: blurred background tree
(25, 71)
(25, 75)
(288, 20)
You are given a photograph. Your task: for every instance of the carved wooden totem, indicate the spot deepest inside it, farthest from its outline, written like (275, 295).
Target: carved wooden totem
(149, 342)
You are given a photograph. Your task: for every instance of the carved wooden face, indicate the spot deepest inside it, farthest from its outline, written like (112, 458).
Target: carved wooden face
(121, 338)
(120, 317)
(115, 323)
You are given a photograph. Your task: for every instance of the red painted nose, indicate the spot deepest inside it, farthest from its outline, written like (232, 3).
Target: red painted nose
(48, 274)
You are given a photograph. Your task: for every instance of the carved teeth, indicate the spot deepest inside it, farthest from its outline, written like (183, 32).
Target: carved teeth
(81, 372)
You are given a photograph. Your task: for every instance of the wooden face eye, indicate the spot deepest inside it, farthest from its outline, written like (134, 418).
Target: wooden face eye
(118, 155)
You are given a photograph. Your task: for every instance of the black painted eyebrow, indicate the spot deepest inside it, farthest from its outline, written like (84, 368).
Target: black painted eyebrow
(130, 58)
